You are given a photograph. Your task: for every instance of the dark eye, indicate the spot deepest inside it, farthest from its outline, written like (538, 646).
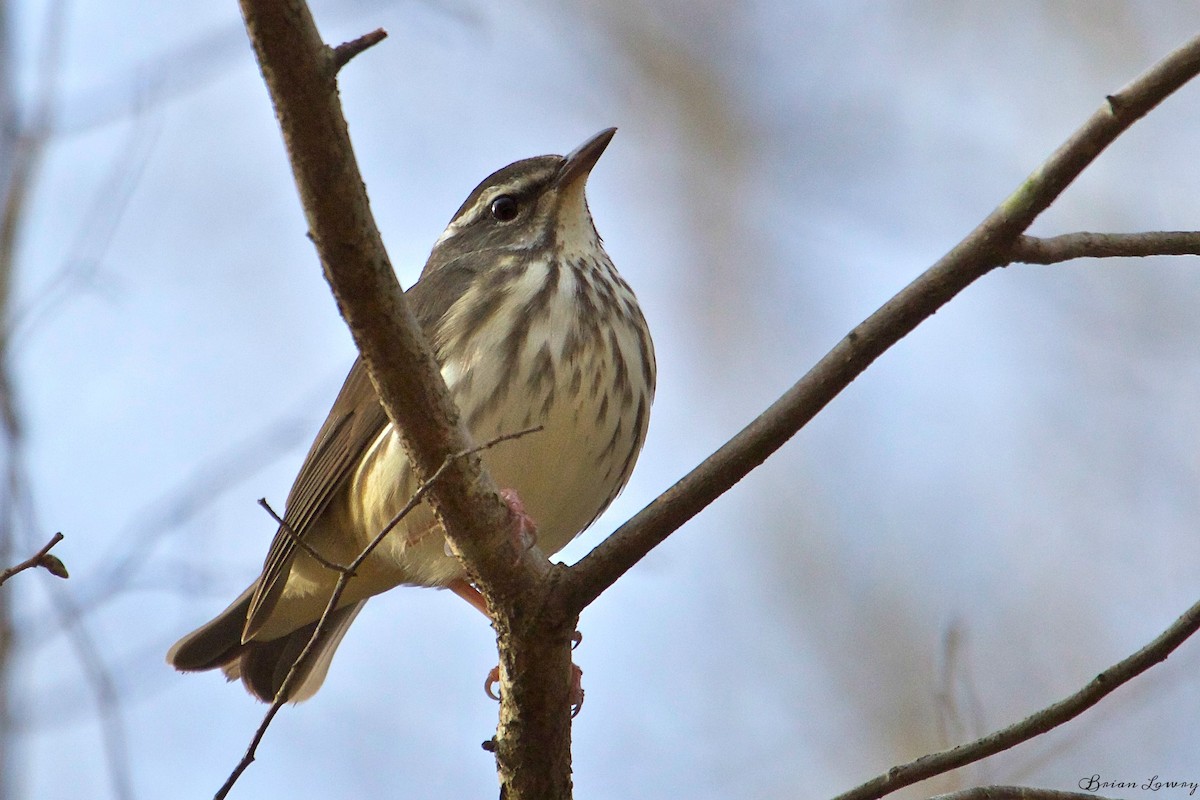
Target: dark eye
(505, 208)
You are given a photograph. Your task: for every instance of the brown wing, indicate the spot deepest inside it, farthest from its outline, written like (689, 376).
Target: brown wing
(355, 421)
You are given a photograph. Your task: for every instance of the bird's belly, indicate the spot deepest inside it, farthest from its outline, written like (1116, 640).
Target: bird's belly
(560, 471)
(565, 472)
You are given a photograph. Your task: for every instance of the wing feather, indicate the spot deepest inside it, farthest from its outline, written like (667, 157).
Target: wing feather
(354, 422)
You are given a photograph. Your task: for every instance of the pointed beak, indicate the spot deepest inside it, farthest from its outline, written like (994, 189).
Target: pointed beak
(579, 163)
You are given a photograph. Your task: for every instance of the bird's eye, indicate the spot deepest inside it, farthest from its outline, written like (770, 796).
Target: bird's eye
(504, 208)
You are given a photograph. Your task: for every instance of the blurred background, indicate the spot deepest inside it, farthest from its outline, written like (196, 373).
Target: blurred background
(1001, 507)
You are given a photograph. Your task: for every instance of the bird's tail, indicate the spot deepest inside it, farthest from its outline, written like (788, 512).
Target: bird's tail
(262, 665)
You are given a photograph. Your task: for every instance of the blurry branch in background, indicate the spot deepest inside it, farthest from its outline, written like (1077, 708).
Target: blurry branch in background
(959, 710)
(22, 141)
(1036, 724)
(533, 756)
(42, 558)
(26, 138)
(80, 267)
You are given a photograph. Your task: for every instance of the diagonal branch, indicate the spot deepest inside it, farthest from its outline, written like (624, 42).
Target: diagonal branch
(1050, 717)
(300, 72)
(992, 244)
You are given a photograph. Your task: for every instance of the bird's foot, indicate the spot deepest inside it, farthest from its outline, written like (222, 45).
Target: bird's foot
(524, 529)
(575, 696)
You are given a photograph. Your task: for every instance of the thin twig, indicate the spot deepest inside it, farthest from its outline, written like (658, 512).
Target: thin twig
(341, 569)
(343, 579)
(41, 558)
(1052, 250)
(299, 540)
(344, 576)
(984, 249)
(1036, 724)
(348, 50)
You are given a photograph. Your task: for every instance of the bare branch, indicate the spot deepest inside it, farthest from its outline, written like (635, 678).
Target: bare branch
(985, 248)
(1015, 793)
(300, 73)
(1050, 717)
(42, 558)
(346, 573)
(1035, 250)
(348, 50)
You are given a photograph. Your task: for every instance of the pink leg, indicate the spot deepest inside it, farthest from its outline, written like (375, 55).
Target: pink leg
(524, 535)
(469, 593)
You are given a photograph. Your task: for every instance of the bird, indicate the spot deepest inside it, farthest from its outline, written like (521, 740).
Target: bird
(533, 328)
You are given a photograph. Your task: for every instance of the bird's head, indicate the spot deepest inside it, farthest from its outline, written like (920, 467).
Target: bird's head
(537, 204)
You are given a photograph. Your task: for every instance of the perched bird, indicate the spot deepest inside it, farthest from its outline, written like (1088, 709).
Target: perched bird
(532, 326)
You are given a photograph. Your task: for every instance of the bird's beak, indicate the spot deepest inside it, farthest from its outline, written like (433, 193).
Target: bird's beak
(579, 163)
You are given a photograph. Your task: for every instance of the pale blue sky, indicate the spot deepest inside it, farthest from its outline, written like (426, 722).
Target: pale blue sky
(1020, 471)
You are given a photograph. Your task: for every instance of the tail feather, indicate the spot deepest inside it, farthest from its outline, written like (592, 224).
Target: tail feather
(262, 666)
(215, 642)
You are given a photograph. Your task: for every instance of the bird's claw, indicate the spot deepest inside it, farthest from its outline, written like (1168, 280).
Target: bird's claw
(575, 695)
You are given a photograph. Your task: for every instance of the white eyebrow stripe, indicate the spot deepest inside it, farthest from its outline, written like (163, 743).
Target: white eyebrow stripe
(514, 186)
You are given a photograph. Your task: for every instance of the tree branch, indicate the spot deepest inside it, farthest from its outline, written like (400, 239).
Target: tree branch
(42, 558)
(1050, 717)
(1035, 250)
(300, 73)
(992, 244)
(1014, 793)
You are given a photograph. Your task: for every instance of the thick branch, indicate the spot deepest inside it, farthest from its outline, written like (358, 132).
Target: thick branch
(300, 73)
(988, 246)
(1015, 793)
(1050, 717)
(1052, 250)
